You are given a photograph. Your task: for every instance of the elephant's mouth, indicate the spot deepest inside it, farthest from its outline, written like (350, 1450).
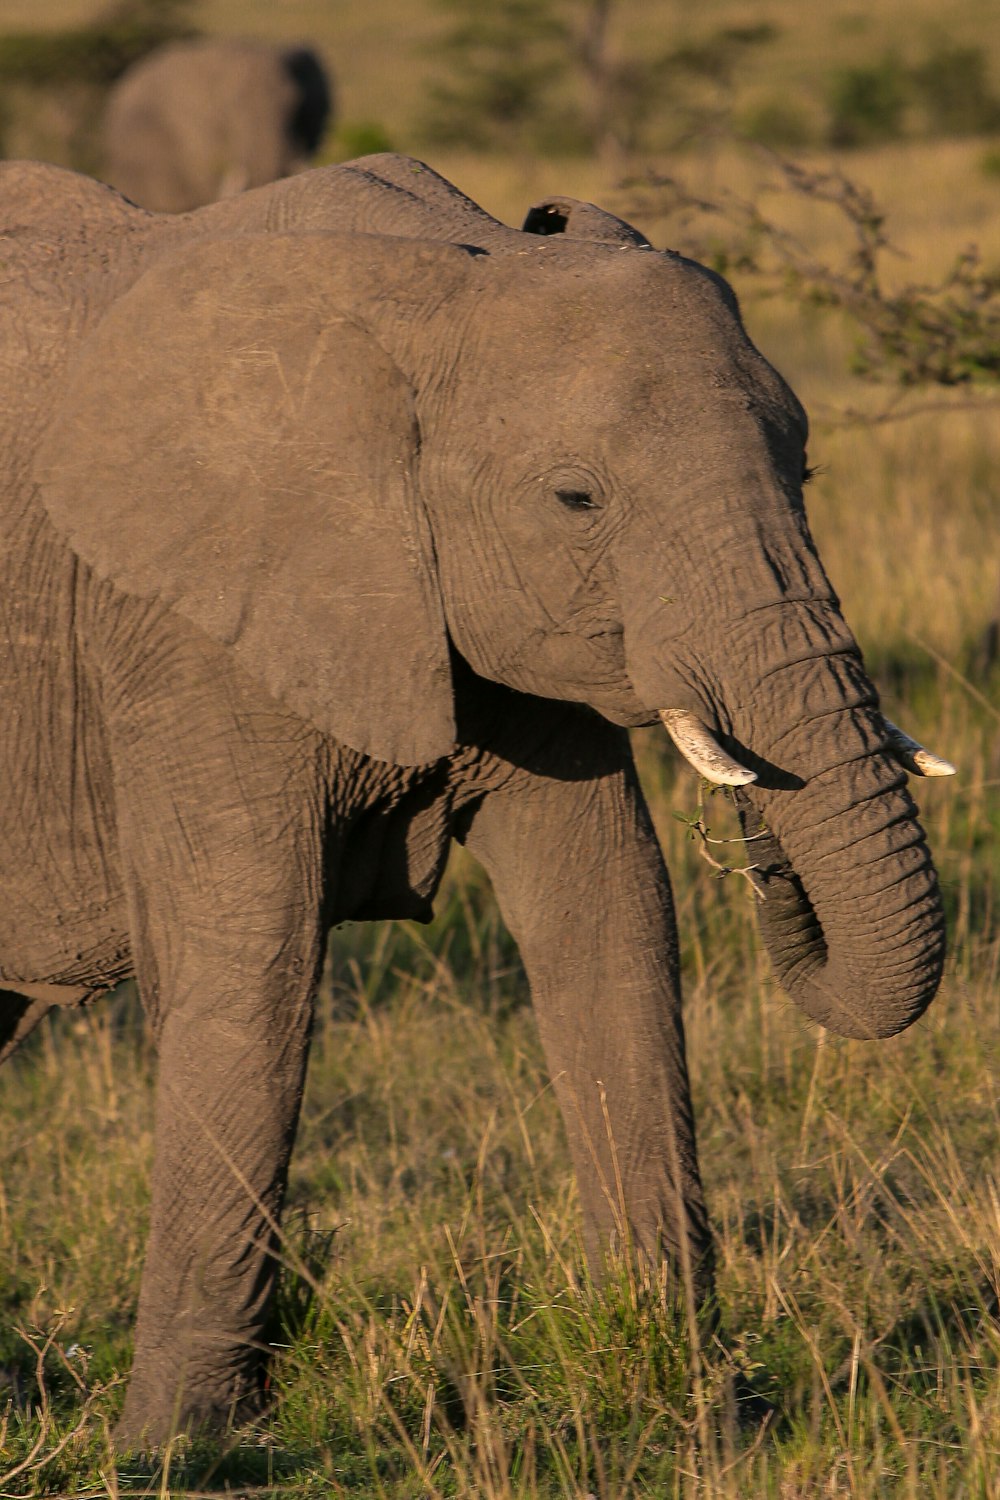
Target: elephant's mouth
(582, 660)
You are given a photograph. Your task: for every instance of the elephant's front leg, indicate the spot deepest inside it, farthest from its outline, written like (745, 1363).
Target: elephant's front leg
(230, 1084)
(580, 879)
(224, 876)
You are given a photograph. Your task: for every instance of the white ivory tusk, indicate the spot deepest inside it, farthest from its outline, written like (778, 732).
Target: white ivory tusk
(701, 750)
(912, 755)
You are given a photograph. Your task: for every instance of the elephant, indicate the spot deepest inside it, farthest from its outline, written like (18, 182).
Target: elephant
(344, 521)
(201, 120)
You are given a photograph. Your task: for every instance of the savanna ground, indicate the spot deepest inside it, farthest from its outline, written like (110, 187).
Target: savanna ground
(436, 1334)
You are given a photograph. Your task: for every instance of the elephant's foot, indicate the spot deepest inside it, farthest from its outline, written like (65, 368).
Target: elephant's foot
(154, 1416)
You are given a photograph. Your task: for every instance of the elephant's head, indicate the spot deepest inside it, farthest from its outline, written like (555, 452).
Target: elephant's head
(618, 516)
(334, 452)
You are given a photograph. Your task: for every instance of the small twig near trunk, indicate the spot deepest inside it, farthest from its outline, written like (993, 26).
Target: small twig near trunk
(698, 829)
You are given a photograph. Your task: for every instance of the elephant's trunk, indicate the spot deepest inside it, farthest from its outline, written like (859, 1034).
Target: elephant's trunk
(851, 913)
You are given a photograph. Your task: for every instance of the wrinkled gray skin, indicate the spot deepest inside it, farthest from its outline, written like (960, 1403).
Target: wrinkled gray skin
(300, 585)
(202, 120)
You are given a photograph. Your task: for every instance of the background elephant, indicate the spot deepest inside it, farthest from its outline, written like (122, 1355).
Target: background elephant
(202, 120)
(328, 543)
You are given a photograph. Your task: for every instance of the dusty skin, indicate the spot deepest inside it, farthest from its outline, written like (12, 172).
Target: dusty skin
(341, 521)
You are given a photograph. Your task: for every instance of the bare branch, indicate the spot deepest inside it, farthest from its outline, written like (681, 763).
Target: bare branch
(698, 829)
(945, 333)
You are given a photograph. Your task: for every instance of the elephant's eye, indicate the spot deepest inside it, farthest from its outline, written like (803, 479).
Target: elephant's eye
(576, 499)
(808, 472)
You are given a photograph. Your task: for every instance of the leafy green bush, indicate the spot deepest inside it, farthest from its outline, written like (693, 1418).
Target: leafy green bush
(954, 90)
(502, 62)
(543, 75)
(777, 121)
(867, 104)
(98, 53)
(948, 93)
(53, 83)
(717, 55)
(360, 138)
(989, 162)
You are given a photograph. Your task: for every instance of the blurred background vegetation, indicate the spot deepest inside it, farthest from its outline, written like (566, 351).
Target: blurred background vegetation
(563, 77)
(436, 1333)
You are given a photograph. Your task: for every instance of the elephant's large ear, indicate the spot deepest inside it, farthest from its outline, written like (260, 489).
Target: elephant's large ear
(235, 443)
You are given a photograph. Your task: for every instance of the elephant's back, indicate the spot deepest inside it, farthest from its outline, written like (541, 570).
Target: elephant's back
(385, 194)
(62, 236)
(57, 210)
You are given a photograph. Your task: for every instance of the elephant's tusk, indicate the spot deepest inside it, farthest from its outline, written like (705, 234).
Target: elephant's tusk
(912, 755)
(701, 750)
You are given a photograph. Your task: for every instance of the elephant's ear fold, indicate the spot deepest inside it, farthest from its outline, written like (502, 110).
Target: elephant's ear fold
(233, 445)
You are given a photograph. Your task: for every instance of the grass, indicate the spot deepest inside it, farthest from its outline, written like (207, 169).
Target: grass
(436, 1334)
